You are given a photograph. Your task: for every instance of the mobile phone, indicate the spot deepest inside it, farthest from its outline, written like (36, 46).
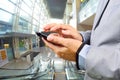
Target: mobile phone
(43, 34)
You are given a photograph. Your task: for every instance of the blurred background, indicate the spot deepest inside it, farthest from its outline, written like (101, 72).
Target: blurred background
(23, 51)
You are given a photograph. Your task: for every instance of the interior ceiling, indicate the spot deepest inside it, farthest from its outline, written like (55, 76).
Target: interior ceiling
(56, 8)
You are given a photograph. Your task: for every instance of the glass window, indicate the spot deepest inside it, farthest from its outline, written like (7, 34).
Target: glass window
(32, 1)
(25, 15)
(1, 43)
(22, 22)
(22, 45)
(83, 3)
(7, 44)
(36, 12)
(35, 42)
(38, 1)
(35, 28)
(5, 16)
(26, 8)
(24, 26)
(7, 5)
(35, 22)
(14, 1)
(37, 16)
(29, 3)
(5, 28)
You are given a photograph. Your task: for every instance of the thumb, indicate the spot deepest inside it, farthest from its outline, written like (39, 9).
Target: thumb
(72, 44)
(50, 45)
(56, 39)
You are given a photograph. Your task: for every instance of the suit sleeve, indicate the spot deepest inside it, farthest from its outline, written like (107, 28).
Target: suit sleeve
(106, 64)
(86, 36)
(83, 50)
(81, 57)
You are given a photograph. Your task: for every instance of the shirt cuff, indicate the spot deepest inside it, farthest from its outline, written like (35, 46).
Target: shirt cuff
(81, 56)
(86, 36)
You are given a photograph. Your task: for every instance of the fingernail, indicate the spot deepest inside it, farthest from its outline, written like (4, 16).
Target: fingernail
(52, 29)
(50, 38)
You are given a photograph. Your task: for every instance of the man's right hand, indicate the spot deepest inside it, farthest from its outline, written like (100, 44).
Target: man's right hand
(65, 48)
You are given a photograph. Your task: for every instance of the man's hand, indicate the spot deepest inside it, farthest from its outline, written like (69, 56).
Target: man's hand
(61, 51)
(66, 31)
(64, 47)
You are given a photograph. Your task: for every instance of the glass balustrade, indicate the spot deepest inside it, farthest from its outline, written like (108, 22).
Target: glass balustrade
(41, 69)
(46, 66)
(72, 73)
(88, 9)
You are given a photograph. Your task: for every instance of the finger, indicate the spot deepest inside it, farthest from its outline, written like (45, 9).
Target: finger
(50, 45)
(59, 27)
(55, 34)
(53, 47)
(72, 44)
(49, 26)
(63, 29)
(67, 33)
(56, 39)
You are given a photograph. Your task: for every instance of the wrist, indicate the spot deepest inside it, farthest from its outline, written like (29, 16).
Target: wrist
(78, 37)
(77, 55)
